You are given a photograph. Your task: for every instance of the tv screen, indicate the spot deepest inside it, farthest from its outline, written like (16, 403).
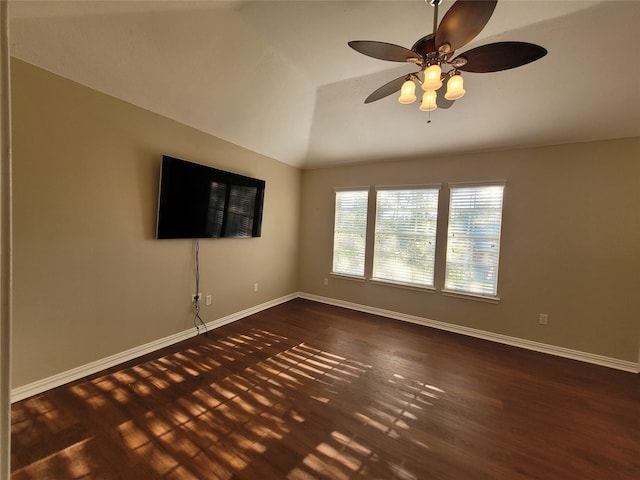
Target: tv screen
(197, 201)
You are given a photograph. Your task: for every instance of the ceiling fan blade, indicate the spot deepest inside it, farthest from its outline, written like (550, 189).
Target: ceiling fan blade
(425, 45)
(463, 21)
(495, 57)
(387, 89)
(384, 51)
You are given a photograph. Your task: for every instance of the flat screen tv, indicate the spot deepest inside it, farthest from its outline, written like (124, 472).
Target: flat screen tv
(198, 201)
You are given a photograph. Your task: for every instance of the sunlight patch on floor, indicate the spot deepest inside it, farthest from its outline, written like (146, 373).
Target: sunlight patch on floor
(225, 422)
(72, 460)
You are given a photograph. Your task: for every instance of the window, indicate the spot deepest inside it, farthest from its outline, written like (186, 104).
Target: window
(473, 240)
(405, 235)
(350, 232)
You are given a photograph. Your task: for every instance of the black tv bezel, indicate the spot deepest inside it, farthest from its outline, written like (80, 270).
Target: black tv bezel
(168, 223)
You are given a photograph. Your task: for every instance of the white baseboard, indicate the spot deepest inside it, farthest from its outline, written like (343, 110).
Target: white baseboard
(39, 386)
(618, 364)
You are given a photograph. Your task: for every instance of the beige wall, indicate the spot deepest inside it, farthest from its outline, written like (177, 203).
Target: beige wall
(570, 243)
(90, 279)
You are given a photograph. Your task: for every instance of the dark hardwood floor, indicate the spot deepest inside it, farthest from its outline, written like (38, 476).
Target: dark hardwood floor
(310, 391)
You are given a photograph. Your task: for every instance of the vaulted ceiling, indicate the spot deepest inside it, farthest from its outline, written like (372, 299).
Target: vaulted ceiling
(278, 78)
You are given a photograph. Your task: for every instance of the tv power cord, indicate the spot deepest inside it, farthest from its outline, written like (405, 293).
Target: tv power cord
(196, 296)
(196, 317)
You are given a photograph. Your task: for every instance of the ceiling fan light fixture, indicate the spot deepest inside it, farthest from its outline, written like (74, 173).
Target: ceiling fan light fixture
(407, 92)
(455, 87)
(432, 79)
(429, 101)
(433, 55)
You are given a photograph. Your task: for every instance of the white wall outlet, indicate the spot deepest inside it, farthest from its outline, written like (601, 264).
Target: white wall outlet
(207, 300)
(326, 281)
(543, 319)
(193, 296)
(255, 287)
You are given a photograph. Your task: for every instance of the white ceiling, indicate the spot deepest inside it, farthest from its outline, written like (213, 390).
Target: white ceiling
(278, 78)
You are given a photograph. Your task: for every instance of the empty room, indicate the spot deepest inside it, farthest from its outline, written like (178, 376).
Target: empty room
(320, 240)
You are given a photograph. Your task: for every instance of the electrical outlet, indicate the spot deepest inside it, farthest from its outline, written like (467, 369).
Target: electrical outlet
(194, 295)
(207, 300)
(543, 319)
(326, 281)
(255, 287)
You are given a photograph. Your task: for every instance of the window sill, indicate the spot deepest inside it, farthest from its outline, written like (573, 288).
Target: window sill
(471, 296)
(408, 286)
(343, 276)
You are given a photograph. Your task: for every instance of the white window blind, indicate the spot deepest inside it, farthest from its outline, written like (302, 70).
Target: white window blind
(473, 240)
(350, 231)
(405, 235)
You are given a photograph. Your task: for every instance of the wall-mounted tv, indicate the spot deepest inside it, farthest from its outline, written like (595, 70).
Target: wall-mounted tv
(198, 201)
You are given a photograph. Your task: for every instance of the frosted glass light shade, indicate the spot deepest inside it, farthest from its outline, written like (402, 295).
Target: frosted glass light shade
(432, 78)
(429, 101)
(407, 92)
(455, 88)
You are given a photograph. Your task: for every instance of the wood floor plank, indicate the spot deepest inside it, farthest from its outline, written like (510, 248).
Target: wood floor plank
(311, 391)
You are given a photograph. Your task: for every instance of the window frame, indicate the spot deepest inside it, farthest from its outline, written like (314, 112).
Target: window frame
(432, 188)
(492, 298)
(345, 274)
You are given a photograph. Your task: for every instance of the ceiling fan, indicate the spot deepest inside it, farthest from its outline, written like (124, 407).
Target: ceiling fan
(433, 53)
